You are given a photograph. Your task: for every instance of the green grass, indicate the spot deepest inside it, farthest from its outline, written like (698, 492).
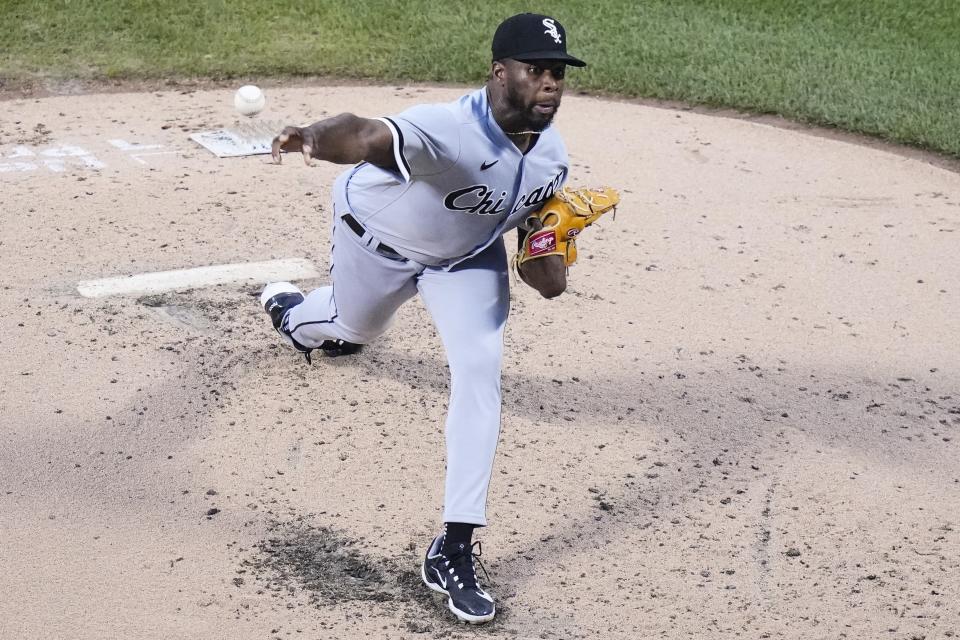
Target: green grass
(889, 68)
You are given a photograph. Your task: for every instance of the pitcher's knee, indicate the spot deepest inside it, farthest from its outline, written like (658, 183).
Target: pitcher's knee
(477, 364)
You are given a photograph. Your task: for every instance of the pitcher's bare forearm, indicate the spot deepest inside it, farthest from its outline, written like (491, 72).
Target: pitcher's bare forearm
(342, 139)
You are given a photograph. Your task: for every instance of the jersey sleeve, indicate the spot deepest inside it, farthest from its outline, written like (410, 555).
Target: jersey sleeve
(426, 140)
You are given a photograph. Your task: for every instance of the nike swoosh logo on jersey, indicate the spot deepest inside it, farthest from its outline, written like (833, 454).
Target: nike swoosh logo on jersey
(485, 166)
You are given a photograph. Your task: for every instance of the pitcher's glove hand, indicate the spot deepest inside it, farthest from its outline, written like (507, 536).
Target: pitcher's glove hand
(561, 219)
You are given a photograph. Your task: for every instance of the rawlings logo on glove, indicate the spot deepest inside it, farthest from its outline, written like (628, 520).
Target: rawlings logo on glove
(563, 217)
(542, 243)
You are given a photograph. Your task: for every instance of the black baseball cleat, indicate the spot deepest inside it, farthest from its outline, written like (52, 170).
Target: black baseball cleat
(334, 348)
(277, 300)
(455, 576)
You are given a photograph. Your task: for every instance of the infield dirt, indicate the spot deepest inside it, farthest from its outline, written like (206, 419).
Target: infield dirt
(742, 419)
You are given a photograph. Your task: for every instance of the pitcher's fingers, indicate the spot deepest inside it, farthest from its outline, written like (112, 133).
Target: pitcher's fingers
(278, 143)
(291, 137)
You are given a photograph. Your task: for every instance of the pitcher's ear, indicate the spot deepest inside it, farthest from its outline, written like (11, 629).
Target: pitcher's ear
(498, 70)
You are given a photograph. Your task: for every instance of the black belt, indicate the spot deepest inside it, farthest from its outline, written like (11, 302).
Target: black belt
(380, 248)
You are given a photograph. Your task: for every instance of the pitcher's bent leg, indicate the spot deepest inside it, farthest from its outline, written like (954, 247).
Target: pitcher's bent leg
(367, 289)
(469, 305)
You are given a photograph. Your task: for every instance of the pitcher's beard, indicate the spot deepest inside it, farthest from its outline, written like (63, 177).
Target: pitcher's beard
(537, 121)
(530, 120)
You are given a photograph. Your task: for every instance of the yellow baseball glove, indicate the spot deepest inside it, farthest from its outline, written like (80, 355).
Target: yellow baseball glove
(563, 217)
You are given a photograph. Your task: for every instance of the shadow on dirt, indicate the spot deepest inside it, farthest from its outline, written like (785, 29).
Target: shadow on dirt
(330, 569)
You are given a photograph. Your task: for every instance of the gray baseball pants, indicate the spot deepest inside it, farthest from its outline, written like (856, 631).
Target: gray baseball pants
(469, 306)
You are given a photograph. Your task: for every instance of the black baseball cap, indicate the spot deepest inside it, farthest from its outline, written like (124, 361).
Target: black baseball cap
(531, 36)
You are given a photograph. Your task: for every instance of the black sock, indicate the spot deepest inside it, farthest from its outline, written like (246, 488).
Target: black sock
(457, 536)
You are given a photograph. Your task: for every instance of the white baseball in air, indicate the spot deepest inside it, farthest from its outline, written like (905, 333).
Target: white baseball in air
(249, 100)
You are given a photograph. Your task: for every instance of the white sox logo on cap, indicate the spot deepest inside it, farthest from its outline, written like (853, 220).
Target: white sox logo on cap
(552, 30)
(532, 36)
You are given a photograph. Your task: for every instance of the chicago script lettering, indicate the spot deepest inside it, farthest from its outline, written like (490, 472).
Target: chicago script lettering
(481, 204)
(481, 199)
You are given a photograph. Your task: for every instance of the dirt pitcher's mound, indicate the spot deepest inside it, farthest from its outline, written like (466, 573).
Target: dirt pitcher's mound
(742, 419)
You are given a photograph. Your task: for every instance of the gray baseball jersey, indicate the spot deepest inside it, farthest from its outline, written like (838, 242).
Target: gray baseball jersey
(461, 182)
(460, 186)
